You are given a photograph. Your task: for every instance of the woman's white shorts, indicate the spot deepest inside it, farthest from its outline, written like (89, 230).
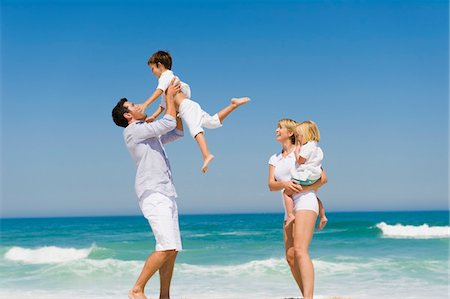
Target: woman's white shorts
(162, 215)
(305, 201)
(196, 119)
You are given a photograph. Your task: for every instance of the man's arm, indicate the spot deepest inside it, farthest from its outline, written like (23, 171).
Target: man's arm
(167, 123)
(174, 134)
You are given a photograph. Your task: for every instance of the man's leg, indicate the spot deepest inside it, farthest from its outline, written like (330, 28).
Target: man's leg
(165, 276)
(154, 262)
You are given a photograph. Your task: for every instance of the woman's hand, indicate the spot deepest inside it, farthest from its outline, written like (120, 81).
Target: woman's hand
(292, 187)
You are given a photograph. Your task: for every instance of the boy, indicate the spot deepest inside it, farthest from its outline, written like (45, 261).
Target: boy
(190, 112)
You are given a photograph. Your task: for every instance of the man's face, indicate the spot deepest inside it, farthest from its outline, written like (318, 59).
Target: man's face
(137, 115)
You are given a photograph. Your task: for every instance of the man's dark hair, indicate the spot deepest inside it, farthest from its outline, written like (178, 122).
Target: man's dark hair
(117, 113)
(162, 57)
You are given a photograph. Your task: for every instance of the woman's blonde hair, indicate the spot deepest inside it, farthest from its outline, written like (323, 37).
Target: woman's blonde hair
(309, 130)
(290, 125)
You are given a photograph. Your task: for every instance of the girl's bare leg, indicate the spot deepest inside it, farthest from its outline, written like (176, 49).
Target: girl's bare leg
(289, 206)
(322, 218)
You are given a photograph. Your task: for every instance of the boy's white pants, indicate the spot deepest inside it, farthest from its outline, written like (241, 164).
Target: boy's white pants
(196, 119)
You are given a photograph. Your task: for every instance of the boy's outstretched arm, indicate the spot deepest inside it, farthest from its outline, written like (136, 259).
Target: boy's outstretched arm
(150, 100)
(155, 114)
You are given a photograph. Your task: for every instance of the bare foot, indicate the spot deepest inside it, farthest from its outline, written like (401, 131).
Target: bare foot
(239, 101)
(133, 295)
(323, 221)
(290, 220)
(206, 162)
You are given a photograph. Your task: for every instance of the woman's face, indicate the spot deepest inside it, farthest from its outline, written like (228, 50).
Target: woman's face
(282, 134)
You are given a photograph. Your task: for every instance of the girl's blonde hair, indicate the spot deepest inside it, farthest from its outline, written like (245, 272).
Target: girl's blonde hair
(309, 130)
(290, 125)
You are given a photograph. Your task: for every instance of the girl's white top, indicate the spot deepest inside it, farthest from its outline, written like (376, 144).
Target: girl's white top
(312, 168)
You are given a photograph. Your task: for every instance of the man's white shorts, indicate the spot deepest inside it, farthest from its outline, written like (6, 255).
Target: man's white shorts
(196, 119)
(162, 215)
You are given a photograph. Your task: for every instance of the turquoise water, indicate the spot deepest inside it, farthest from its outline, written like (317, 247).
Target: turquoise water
(357, 255)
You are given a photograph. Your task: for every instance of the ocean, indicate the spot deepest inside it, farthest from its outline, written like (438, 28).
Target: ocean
(357, 255)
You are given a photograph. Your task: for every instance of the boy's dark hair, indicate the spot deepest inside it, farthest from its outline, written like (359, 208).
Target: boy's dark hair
(117, 113)
(162, 57)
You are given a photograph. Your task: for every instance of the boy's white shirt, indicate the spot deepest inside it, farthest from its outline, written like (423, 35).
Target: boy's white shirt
(164, 82)
(312, 168)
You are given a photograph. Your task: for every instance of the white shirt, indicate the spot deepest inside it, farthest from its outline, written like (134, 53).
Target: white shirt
(164, 82)
(312, 168)
(145, 144)
(283, 166)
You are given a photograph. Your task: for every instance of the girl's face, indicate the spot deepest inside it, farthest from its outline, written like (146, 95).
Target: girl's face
(282, 134)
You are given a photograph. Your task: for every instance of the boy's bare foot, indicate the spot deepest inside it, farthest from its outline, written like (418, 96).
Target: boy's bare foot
(290, 220)
(133, 295)
(323, 221)
(239, 101)
(206, 162)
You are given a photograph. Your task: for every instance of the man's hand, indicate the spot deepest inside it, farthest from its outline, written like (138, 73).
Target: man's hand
(174, 87)
(292, 187)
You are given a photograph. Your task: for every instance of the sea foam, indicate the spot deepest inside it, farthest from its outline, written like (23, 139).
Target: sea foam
(416, 232)
(47, 254)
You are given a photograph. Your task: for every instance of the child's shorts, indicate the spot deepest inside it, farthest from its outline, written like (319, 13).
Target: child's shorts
(162, 215)
(304, 183)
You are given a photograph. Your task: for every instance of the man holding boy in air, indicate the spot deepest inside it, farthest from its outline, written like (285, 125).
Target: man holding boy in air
(154, 185)
(194, 117)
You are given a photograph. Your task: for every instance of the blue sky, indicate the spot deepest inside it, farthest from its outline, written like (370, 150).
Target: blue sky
(372, 74)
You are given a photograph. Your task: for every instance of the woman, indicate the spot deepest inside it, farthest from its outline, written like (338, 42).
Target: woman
(297, 237)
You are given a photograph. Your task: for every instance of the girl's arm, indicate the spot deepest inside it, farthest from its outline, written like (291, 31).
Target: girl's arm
(299, 159)
(274, 185)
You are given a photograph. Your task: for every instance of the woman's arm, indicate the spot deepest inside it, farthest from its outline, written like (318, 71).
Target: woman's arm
(274, 185)
(314, 187)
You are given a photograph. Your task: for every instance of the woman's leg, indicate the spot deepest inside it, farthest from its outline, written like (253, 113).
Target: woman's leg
(303, 232)
(290, 255)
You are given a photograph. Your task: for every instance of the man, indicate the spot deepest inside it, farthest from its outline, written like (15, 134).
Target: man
(154, 185)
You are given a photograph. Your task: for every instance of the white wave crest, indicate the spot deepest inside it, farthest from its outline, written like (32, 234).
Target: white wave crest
(254, 267)
(417, 232)
(47, 254)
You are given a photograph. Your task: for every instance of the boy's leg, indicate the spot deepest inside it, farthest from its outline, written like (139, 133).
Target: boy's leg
(165, 276)
(322, 218)
(152, 264)
(207, 156)
(235, 102)
(289, 206)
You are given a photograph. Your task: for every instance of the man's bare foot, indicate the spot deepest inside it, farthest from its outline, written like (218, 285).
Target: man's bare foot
(206, 162)
(290, 220)
(323, 221)
(136, 295)
(239, 101)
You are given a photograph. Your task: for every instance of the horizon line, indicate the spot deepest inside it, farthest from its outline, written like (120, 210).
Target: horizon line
(212, 214)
